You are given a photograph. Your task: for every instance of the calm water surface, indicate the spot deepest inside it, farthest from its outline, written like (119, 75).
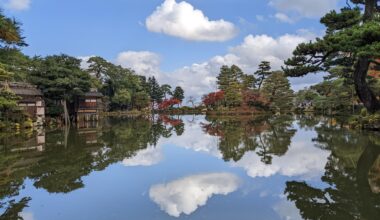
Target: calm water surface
(192, 167)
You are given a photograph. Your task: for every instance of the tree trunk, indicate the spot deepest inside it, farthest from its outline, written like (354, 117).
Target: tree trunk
(65, 112)
(364, 92)
(370, 9)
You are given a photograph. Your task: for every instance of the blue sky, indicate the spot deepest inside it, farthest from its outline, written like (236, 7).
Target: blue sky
(181, 43)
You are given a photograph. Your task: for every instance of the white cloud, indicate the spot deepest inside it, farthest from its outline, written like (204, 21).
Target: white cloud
(18, 5)
(300, 160)
(146, 157)
(200, 78)
(84, 65)
(143, 62)
(187, 194)
(283, 18)
(204, 143)
(287, 210)
(184, 21)
(305, 8)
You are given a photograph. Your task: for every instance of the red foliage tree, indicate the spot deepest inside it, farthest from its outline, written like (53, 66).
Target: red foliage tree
(255, 99)
(168, 103)
(213, 98)
(170, 121)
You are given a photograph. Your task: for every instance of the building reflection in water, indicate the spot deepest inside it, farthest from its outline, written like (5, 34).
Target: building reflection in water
(347, 162)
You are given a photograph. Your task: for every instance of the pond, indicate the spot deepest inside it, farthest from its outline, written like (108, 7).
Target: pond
(192, 167)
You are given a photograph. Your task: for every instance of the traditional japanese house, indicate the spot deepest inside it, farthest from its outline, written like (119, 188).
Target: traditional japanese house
(89, 106)
(374, 70)
(31, 100)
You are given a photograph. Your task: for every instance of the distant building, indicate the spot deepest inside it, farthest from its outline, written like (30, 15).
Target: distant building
(89, 106)
(31, 100)
(374, 70)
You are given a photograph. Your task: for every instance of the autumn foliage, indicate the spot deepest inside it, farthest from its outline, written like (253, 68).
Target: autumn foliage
(168, 103)
(255, 99)
(170, 121)
(213, 98)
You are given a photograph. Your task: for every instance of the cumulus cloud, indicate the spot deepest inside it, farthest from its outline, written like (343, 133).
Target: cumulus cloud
(143, 62)
(200, 78)
(146, 157)
(184, 21)
(300, 160)
(305, 8)
(283, 18)
(17, 5)
(187, 194)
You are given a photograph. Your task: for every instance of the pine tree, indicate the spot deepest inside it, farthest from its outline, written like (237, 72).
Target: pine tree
(155, 91)
(276, 89)
(61, 79)
(166, 90)
(178, 93)
(352, 40)
(231, 82)
(263, 72)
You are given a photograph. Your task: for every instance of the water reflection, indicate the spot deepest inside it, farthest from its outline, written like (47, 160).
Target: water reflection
(266, 136)
(185, 195)
(351, 178)
(70, 155)
(323, 170)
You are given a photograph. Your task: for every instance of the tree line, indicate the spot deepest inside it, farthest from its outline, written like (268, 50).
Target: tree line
(265, 90)
(62, 80)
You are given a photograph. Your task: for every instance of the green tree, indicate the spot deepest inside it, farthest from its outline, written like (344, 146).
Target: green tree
(263, 72)
(166, 89)
(10, 32)
(230, 80)
(277, 90)
(122, 98)
(99, 67)
(14, 61)
(8, 102)
(61, 80)
(248, 82)
(179, 93)
(155, 91)
(352, 40)
(141, 100)
(11, 59)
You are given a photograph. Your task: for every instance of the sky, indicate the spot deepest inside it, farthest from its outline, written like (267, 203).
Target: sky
(179, 42)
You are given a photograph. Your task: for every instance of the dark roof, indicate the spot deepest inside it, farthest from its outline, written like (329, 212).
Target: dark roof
(93, 94)
(24, 89)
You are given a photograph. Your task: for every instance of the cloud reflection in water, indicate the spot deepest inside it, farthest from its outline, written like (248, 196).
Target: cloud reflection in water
(185, 195)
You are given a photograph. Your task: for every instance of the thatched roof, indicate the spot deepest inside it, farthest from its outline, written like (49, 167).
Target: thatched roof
(93, 94)
(24, 89)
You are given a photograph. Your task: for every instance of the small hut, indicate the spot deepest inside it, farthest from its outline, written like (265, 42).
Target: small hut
(89, 106)
(31, 100)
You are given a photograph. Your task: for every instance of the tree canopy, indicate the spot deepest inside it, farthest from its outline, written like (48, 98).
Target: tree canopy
(352, 41)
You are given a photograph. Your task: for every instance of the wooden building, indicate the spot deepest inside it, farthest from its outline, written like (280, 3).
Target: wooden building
(31, 100)
(89, 106)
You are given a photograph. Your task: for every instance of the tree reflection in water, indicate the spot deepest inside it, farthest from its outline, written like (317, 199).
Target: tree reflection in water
(350, 176)
(349, 187)
(268, 137)
(69, 155)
